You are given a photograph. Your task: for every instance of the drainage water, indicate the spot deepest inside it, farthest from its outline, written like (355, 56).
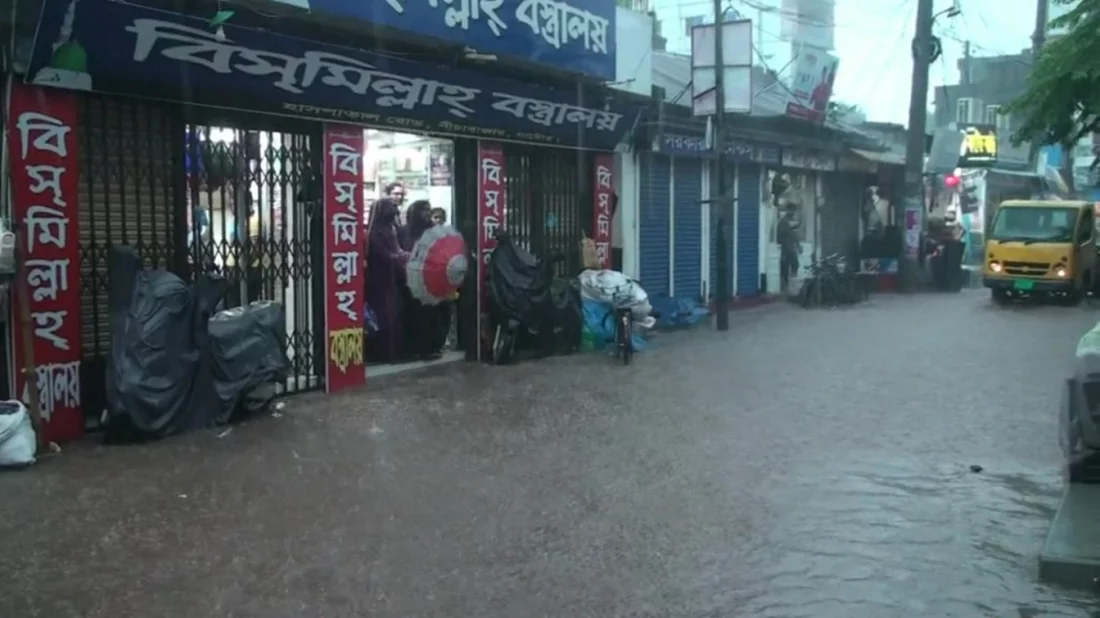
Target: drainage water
(890, 540)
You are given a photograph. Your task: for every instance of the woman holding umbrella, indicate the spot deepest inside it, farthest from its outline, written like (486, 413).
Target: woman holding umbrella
(423, 322)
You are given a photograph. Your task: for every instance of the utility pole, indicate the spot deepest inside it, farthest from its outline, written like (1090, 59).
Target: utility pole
(1039, 37)
(718, 177)
(966, 64)
(914, 205)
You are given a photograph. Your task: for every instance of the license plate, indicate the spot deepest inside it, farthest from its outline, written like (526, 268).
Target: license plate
(1025, 285)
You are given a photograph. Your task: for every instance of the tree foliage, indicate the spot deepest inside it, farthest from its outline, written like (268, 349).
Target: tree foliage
(838, 110)
(1062, 100)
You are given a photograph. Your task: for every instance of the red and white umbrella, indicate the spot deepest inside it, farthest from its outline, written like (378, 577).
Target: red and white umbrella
(437, 265)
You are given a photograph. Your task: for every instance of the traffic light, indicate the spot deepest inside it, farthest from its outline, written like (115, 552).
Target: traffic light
(968, 199)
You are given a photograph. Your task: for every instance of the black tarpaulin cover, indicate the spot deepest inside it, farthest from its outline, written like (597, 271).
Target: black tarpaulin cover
(174, 364)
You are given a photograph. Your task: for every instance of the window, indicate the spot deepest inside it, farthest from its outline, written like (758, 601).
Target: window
(994, 117)
(992, 114)
(962, 110)
(1035, 223)
(1087, 227)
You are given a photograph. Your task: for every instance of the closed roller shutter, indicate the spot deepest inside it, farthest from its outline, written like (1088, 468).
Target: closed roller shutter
(126, 188)
(653, 229)
(748, 230)
(840, 215)
(687, 276)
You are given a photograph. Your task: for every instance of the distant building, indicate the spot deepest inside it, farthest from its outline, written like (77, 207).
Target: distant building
(987, 85)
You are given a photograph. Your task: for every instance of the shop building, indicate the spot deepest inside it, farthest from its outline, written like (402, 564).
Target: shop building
(820, 172)
(172, 116)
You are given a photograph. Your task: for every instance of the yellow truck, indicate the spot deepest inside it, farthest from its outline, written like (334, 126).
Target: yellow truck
(1041, 248)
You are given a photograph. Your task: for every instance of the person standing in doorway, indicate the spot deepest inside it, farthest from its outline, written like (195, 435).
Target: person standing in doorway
(787, 237)
(424, 330)
(439, 216)
(395, 192)
(386, 284)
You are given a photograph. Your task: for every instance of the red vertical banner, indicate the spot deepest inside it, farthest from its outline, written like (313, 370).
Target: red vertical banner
(344, 257)
(490, 212)
(603, 179)
(44, 175)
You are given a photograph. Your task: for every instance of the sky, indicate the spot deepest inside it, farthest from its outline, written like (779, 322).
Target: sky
(873, 43)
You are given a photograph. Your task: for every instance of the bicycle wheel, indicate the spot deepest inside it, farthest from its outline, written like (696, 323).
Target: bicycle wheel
(807, 296)
(626, 336)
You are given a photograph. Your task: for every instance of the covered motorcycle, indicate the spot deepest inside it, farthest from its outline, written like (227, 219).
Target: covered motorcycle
(528, 304)
(176, 365)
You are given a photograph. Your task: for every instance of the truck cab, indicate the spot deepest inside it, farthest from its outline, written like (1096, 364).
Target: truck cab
(1041, 248)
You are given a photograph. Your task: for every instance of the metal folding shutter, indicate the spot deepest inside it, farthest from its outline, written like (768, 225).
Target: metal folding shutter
(841, 212)
(748, 230)
(653, 230)
(126, 184)
(687, 220)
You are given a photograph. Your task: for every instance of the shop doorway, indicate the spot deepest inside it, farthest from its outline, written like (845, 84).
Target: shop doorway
(250, 205)
(413, 168)
(792, 205)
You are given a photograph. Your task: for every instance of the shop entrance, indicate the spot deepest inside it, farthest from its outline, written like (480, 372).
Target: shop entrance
(196, 191)
(793, 202)
(412, 169)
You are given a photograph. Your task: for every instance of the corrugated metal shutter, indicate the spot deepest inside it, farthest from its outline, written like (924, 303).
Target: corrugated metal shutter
(748, 230)
(840, 216)
(126, 184)
(687, 276)
(653, 231)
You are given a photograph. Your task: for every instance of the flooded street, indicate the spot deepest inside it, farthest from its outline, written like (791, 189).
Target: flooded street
(806, 463)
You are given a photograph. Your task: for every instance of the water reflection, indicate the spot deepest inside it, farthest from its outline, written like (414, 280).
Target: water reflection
(897, 538)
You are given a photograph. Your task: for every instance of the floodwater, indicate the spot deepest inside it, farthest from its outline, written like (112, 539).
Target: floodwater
(807, 463)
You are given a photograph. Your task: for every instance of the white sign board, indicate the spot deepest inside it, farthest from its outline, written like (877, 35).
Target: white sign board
(737, 70)
(812, 85)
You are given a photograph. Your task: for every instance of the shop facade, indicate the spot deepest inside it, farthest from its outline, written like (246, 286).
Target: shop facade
(169, 116)
(678, 225)
(795, 191)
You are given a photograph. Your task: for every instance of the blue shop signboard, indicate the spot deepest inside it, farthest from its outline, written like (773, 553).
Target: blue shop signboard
(738, 150)
(573, 35)
(110, 46)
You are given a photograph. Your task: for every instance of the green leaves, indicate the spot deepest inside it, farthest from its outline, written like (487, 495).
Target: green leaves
(1062, 100)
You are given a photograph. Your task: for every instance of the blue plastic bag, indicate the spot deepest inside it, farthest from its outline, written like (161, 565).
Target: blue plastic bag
(370, 321)
(599, 320)
(678, 312)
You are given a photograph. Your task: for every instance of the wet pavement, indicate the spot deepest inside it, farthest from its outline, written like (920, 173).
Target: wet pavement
(804, 464)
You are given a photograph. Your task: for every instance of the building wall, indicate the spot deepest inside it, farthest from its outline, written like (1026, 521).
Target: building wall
(634, 55)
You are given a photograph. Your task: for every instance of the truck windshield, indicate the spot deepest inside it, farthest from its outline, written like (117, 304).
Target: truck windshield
(1034, 224)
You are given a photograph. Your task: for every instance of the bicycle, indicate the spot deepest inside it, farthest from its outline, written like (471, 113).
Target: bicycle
(624, 334)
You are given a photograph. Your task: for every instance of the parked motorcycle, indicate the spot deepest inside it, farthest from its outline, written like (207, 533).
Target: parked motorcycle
(528, 304)
(830, 284)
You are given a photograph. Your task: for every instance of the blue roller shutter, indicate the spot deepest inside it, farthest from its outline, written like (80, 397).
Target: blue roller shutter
(748, 230)
(715, 214)
(687, 276)
(653, 232)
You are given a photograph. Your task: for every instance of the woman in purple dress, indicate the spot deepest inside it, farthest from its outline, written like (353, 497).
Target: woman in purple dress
(386, 262)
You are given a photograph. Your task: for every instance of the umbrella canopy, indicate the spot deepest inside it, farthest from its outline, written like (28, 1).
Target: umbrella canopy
(437, 265)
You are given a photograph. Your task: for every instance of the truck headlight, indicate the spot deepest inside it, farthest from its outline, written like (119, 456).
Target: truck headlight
(995, 266)
(1060, 271)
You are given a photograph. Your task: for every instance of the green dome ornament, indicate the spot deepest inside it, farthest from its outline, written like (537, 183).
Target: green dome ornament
(68, 67)
(70, 56)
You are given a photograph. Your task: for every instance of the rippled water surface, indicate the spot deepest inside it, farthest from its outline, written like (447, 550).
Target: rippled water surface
(797, 466)
(892, 537)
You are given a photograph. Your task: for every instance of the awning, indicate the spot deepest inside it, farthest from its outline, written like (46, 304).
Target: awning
(885, 156)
